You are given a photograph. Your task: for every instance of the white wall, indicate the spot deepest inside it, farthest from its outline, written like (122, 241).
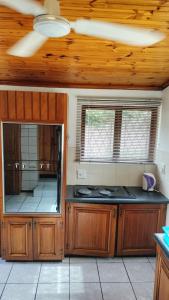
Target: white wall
(105, 174)
(97, 173)
(163, 149)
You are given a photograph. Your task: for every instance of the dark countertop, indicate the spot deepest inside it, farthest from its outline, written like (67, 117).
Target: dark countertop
(159, 239)
(141, 197)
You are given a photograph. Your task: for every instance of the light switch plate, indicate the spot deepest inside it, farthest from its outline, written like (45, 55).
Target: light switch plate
(163, 168)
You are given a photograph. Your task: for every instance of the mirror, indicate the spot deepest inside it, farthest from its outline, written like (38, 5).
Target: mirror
(32, 168)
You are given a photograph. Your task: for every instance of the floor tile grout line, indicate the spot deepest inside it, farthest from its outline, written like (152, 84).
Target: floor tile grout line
(7, 280)
(38, 281)
(99, 280)
(152, 267)
(129, 280)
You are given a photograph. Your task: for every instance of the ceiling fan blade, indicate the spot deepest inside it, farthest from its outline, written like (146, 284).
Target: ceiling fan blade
(117, 32)
(27, 7)
(28, 45)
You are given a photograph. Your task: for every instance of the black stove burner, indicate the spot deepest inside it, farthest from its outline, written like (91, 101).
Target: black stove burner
(102, 192)
(85, 191)
(105, 192)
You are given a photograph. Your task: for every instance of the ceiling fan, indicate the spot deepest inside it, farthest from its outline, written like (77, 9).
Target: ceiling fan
(48, 23)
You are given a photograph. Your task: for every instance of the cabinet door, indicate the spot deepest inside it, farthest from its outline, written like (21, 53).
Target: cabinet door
(163, 283)
(161, 287)
(91, 229)
(48, 236)
(18, 238)
(136, 225)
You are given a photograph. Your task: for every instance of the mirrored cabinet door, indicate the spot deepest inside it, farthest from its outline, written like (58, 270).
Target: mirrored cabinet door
(32, 168)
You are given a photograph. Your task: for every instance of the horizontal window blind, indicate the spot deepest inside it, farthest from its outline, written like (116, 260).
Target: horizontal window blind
(111, 130)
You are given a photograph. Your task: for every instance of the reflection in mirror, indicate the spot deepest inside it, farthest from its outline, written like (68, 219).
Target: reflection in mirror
(32, 168)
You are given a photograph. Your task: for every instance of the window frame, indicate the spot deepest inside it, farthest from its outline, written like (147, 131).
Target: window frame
(118, 130)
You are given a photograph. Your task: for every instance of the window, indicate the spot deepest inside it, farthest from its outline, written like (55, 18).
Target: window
(116, 133)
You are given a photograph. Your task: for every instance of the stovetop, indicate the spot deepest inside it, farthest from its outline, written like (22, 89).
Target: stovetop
(108, 192)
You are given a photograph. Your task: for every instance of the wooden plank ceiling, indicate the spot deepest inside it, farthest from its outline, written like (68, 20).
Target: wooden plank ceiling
(80, 61)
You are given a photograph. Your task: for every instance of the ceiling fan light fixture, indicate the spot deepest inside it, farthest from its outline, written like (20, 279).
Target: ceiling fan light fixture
(51, 26)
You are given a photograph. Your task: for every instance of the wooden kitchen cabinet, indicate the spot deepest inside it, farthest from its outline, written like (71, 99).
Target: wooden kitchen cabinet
(48, 239)
(161, 288)
(32, 238)
(17, 239)
(136, 225)
(90, 229)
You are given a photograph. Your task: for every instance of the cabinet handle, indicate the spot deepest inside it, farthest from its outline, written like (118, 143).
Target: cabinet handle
(34, 223)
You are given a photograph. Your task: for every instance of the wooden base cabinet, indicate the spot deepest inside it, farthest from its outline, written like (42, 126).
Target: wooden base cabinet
(48, 239)
(32, 238)
(17, 239)
(161, 290)
(136, 225)
(90, 229)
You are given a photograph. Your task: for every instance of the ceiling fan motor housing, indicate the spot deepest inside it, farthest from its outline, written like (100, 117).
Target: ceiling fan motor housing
(51, 26)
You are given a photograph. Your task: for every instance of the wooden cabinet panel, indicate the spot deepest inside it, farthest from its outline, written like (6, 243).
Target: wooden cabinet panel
(33, 106)
(161, 288)
(0, 234)
(18, 238)
(33, 238)
(12, 153)
(20, 106)
(136, 226)
(48, 239)
(164, 283)
(91, 229)
(28, 107)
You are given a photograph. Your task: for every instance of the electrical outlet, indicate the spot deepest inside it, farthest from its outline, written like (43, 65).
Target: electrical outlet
(81, 174)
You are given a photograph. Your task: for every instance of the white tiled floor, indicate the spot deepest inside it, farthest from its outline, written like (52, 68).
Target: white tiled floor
(43, 199)
(78, 278)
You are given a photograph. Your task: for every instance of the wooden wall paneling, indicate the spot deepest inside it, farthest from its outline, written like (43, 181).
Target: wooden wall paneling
(36, 108)
(28, 106)
(52, 107)
(12, 105)
(61, 107)
(4, 105)
(20, 106)
(12, 154)
(33, 107)
(44, 107)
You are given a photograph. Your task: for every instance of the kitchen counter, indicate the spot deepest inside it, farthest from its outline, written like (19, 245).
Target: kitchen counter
(140, 197)
(159, 239)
